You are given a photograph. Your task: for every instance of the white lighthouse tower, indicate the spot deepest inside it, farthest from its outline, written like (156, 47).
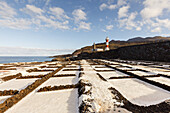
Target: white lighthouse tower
(107, 44)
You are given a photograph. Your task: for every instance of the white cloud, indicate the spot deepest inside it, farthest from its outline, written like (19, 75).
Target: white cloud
(129, 22)
(16, 23)
(32, 10)
(166, 35)
(79, 14)
(157, 29)
(51, 23)
(84, 25)
(154, 8)
(163, 22)
(111, 6)
(58, 13)
(109, 27)
(138, 28)
(79, 19)
(54, 17)
(8, 18)
(123, 11)
(45, 2)
(102, 6)
(105, 6)
(100, 20)
(156, 24)
(6, 11)
(39, 18)
(104, 30)
(121, 2)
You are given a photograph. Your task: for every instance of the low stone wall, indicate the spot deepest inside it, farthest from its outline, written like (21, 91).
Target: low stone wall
(104, 70)
(101, 77)
(164, 75)
(71, 66)
(73, 69)
(121, 77)
(64, 75)
(8, 92)
(32, 76)
(11, 77)
(37, 70)
(10, 69)
(31, 70)
(3, 67)
(53, 66)
(61, 87)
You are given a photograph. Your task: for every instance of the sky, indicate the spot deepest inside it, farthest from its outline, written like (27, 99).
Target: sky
(50, 27)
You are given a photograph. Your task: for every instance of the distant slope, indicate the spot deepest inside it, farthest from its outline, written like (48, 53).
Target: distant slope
(156, 38)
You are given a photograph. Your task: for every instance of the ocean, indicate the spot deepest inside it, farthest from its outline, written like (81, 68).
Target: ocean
(11, 59)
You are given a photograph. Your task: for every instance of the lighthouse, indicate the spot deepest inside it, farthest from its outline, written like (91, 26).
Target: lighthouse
(94, 47)
(107, 44)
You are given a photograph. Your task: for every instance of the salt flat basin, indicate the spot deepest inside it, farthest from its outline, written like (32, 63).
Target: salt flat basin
(39, 73)
(94, 66)
(61, 101)
(16, 84)
(106, 68)
(151, 69)
(162, 80)
(48, 68)
(139, 92)
(125, 68)
(4, 73)
(114, 65)
(110, 62)
(107, 75)
(72, 66)
(141, 73)
(67, 72)
(56, 81)
(161, 66)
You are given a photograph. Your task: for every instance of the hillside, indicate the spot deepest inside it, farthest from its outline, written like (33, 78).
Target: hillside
(114, 44)
(158, 51)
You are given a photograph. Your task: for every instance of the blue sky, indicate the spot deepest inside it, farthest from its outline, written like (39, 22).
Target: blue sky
(62, 26)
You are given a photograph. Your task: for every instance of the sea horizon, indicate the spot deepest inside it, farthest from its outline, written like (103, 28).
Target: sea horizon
(13, 59)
